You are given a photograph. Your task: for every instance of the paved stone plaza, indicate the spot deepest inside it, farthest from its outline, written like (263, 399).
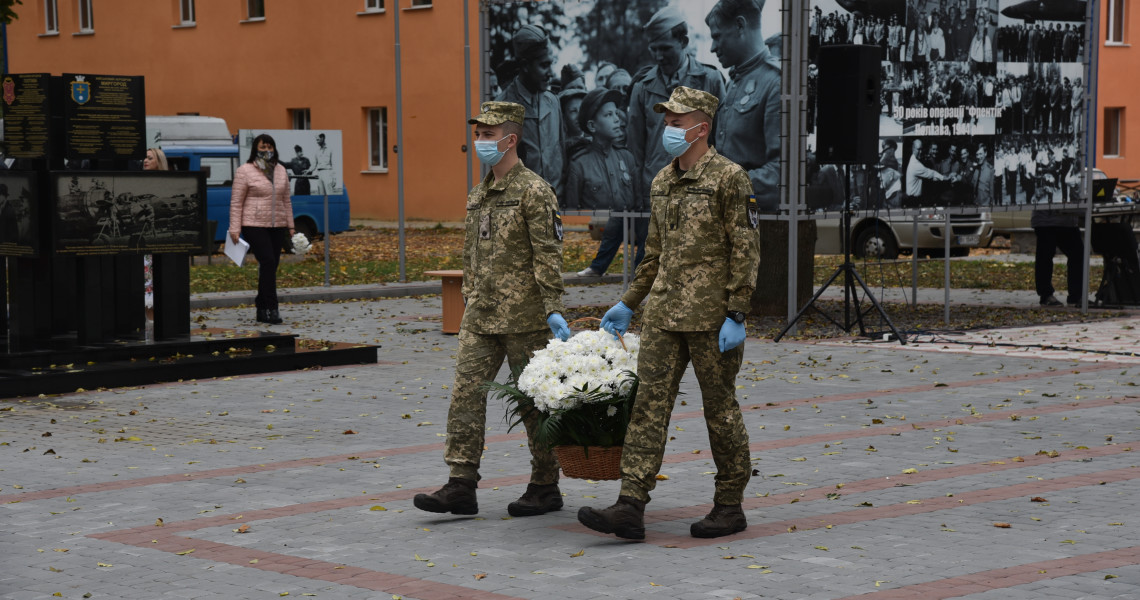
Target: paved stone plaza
(992, 466)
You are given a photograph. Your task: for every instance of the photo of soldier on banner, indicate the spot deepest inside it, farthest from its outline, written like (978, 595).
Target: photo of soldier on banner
(312, 157)
(588, 74)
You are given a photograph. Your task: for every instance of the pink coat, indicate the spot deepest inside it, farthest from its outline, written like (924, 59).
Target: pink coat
(255, 202)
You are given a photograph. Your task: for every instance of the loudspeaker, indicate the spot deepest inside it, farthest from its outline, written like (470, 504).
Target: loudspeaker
(848, 105)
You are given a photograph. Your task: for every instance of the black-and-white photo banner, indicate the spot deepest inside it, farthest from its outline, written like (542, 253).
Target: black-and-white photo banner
(982, 103)
(589, 72)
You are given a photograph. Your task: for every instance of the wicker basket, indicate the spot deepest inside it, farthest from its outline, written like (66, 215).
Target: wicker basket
(592, 462)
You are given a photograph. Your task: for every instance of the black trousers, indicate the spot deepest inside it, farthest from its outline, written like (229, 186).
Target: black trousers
(266, 244)
(1069, 240)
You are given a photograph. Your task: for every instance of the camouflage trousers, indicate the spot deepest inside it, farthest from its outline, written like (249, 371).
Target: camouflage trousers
(479, 359)
(662, 361)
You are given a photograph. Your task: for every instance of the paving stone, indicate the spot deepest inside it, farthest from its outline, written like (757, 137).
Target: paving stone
(306, 487)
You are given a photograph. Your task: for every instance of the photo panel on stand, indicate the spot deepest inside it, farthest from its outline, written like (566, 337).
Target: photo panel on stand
(589, 72)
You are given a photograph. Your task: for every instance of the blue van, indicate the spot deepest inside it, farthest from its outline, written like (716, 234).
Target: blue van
(219, 162)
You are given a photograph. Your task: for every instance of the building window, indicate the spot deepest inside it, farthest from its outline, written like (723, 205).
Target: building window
(301, 119)
(86, 17)
(1113, 131)
(255, 9)
(51, 17)
(421, 3)
(378, 139)
(1115, 22)
(373, 5)
(186, 12)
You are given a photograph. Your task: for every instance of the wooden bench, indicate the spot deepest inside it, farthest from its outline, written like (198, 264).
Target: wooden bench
(452, 292)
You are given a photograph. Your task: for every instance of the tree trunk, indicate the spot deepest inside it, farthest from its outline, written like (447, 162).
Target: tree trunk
(771, 294)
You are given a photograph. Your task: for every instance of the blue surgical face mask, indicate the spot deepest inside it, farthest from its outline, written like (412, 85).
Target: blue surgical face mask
(488, 151)
(673, 139)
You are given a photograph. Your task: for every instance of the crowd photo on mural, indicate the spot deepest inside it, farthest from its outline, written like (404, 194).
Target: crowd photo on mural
(982, 103)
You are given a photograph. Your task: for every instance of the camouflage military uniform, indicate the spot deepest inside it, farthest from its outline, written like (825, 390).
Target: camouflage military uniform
(700, 262)
(747, 129)
(512, 262)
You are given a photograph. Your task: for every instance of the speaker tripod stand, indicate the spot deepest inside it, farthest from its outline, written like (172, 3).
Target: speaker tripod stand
(850, 278)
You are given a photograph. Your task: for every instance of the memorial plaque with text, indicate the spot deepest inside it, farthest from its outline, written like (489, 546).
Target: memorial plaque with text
(25, 114)
(105, 116)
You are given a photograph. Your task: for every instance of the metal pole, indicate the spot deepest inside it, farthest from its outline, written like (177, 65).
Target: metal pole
(467, 86)
(399, 147)
(627, 250)
(946, 261)
(914, 263)
(1092, 53)
(793, 103)
(328, 238)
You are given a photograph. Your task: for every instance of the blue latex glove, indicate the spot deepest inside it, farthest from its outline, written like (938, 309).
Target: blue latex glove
(558, 326)
(616, 319)
(731, 334)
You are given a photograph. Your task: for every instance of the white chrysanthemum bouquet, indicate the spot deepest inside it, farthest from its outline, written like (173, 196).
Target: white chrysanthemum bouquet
(581, 390)
(301, 244)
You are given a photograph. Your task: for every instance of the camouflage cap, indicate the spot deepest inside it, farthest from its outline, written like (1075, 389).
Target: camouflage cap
(497, 113)
(686, 100)
(528, 41)
(662, 22)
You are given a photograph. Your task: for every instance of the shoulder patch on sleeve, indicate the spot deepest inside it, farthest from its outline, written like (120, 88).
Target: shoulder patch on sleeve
(557, 222)
(753, 212)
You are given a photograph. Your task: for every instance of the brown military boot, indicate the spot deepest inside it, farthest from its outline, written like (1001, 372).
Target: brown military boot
(537, 500)
(457, 497)
(724, 519)
(625, 519)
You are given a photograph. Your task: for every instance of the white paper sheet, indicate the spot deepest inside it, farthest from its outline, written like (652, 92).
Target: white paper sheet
(237, 251)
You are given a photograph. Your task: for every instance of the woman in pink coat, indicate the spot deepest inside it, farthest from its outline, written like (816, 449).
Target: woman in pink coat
(261, 213)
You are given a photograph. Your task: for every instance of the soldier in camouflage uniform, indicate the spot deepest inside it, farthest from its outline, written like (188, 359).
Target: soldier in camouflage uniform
(699, 272)
(512, 288)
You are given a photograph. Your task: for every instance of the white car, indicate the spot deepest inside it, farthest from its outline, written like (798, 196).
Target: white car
(886, 236)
